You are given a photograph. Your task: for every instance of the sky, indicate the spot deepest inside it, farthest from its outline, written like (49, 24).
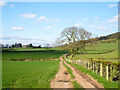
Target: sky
(41, 23)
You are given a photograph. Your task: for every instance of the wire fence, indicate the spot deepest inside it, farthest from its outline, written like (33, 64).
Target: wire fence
(109, 70)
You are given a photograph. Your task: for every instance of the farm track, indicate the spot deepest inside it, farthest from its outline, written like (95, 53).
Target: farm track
(63, 79)
(84, 80)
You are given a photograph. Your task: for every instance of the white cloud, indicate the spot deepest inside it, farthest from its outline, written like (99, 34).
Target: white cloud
(3, 3)
(69, 20)
(114, 26)
(112, 5)
(55, 20)
(78, 24)
(45, 19)
(91, 26)
(42, 19)
(103, 28)
(24, 41)
(48, 27)
(29, 15)
(12, 5)
(17, 28)
(114, 19)
(96, 18)
(84, 19)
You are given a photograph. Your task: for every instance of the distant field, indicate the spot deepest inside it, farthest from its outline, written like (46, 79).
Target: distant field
(113, 54)
(34, 54)
(95, 50)
(28, 74)
(92, 52)
(29, 49)
(103, 47)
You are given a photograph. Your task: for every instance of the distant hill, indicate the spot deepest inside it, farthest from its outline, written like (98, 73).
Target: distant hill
(111, 36)
(103, 39)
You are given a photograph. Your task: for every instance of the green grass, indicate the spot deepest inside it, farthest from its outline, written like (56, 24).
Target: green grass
(103, 47)
(29, 49)
(77, 86)
(106, 84)
(28, 74)
(113, 54)
(32, 54)
(69, 71)
(92, 52)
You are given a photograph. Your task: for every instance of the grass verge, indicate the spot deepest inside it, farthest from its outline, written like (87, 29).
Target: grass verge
(77, 86)
(105, 83)
(69, 70)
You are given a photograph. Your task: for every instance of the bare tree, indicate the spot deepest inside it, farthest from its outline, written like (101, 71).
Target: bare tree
(74, 38)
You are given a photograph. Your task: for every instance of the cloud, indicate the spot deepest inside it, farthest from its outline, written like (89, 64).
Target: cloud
(114, 26)
(112, 5)
(29, 15)
(54, 20)
(103, 28)
(17, 39)
(45, 19)
(84, 19)
(42, 19)
(69, 20)
(91, 26)
(96, 18)
(2, 3)
(78, 24)
(114, 19)
(48, 27)
(17, 28)
(12, 5)
(9, 37)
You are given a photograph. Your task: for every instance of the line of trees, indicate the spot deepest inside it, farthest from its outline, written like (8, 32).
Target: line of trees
(18, 45)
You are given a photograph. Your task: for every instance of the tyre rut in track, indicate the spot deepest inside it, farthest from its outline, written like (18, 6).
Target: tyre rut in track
(84, 80)
(62, 78)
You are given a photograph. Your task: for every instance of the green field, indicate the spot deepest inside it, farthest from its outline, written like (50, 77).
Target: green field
(28, 49)
(103, 47)
(92, 52)
(33, 54)
(28, 74)
(113, 54)
(99, 51)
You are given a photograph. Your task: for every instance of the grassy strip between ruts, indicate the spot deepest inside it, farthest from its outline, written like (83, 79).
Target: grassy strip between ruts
(69, 70)
(106, 84)
(77, 86)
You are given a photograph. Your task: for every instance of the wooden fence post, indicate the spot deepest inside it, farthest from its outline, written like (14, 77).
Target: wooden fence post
(111, 73)
(85, 63)
(107, 72)
(96, 67)
(101, 71)
(93, 66)
(88, 64)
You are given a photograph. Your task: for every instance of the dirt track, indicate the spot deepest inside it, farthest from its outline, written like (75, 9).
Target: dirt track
(63, 78)
(85, 81)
